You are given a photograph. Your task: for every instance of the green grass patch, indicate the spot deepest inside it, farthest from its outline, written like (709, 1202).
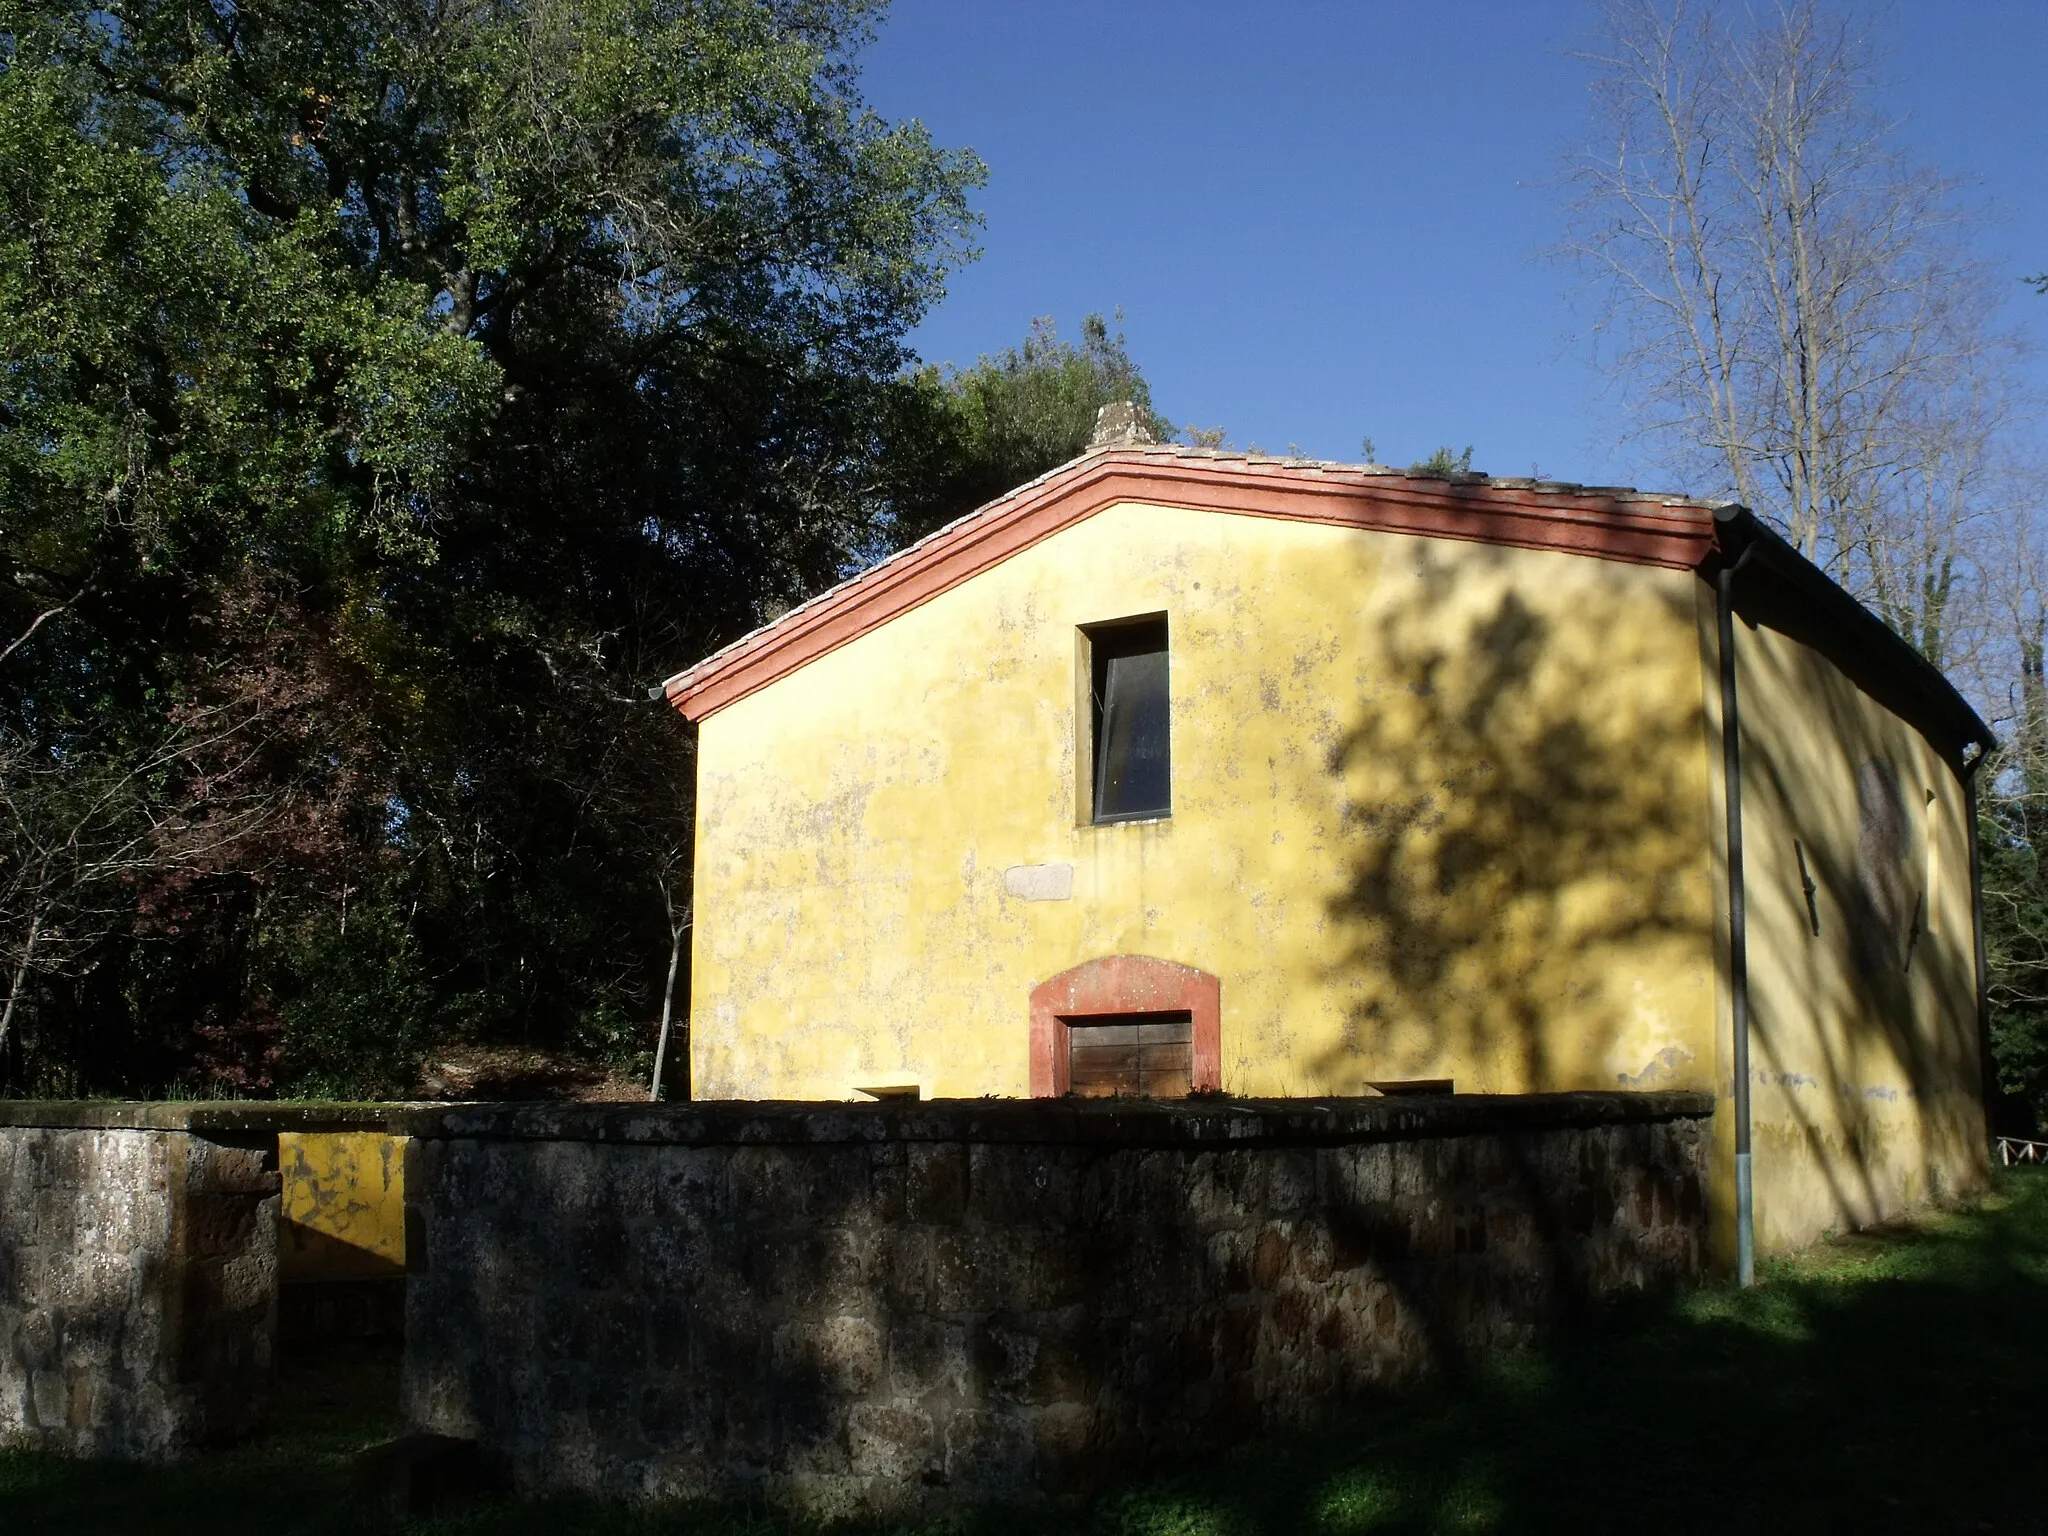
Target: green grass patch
(1895, 1381)
(293, 1478)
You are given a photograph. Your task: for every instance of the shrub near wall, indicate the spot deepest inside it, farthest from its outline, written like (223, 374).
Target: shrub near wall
(883, 1307)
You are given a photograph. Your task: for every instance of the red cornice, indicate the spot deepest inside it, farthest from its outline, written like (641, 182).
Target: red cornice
(1631, 528)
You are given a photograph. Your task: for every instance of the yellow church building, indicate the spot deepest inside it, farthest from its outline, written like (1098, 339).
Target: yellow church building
(1177, 771)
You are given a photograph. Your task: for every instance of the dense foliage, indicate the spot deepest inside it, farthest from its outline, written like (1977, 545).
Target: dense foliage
(988, 429)
(388, 394)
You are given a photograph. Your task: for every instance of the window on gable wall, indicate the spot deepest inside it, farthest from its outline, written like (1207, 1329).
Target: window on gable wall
(1130, 734)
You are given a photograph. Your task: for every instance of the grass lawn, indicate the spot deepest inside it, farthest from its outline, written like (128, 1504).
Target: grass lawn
(1891, 1382)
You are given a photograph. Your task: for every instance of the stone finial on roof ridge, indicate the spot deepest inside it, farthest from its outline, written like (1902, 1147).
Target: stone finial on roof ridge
(1120, 424)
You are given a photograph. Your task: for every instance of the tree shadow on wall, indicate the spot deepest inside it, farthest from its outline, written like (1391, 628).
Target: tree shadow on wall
(1531, 872)
(1524, 856)
(1857, 949)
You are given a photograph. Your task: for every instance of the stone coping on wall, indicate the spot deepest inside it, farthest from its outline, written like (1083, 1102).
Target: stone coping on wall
(1103, 1122)
(204, 1117)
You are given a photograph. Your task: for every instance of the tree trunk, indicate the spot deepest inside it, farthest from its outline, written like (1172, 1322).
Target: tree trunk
(668, 1000)
(19, 980)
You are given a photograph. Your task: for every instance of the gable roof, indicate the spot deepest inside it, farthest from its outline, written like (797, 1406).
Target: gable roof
(1605, 522)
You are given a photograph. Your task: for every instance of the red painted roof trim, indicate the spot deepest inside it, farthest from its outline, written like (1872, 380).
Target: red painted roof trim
(1632, 528)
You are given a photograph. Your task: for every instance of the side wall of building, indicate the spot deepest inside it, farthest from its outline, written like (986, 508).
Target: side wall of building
(1440, 810)
(341, 1234)
(1864, 1055)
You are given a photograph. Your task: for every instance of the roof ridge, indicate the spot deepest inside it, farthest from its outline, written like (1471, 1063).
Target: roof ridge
(1328, 470)
(1539, 484)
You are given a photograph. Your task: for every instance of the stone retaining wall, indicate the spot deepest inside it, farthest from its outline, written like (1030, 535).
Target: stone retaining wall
(138, 1279)
(885, 1306)
(139, 1273)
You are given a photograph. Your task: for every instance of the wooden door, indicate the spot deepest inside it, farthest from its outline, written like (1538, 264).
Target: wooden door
(1131, 1055)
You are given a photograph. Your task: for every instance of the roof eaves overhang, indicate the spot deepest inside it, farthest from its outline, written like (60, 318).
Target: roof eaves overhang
(1938, 709)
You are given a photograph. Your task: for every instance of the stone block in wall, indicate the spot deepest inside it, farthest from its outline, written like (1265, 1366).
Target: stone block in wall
(935, 1183)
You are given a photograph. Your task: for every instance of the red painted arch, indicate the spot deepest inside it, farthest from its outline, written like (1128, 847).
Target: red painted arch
(1124, 984)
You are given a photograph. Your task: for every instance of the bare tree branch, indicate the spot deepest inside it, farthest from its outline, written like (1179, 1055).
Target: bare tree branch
(1793, 311)
(35, 624)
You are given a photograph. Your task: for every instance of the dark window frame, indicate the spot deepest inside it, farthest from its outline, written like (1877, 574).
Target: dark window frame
(1138, 636)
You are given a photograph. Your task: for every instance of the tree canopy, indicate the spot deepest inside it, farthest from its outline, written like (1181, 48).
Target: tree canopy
(985, 430)
(388, 393)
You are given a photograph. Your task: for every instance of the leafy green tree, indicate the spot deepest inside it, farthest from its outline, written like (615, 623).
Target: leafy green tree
(970, 435)
(201, 420)
(388, 392)
(2016, 944)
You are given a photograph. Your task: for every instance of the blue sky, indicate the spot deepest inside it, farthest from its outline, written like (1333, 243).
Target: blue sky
(1324, 221)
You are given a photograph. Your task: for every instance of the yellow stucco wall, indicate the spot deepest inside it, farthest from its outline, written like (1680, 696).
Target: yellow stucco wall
(1439, 810)
(342, 1215)
(1864, 1052)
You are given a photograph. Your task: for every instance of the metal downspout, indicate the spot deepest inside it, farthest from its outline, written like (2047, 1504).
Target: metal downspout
(1987, 1071)
(1738, 914)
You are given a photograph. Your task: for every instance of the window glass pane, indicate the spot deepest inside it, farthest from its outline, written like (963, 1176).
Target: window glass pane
(1132, 769)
